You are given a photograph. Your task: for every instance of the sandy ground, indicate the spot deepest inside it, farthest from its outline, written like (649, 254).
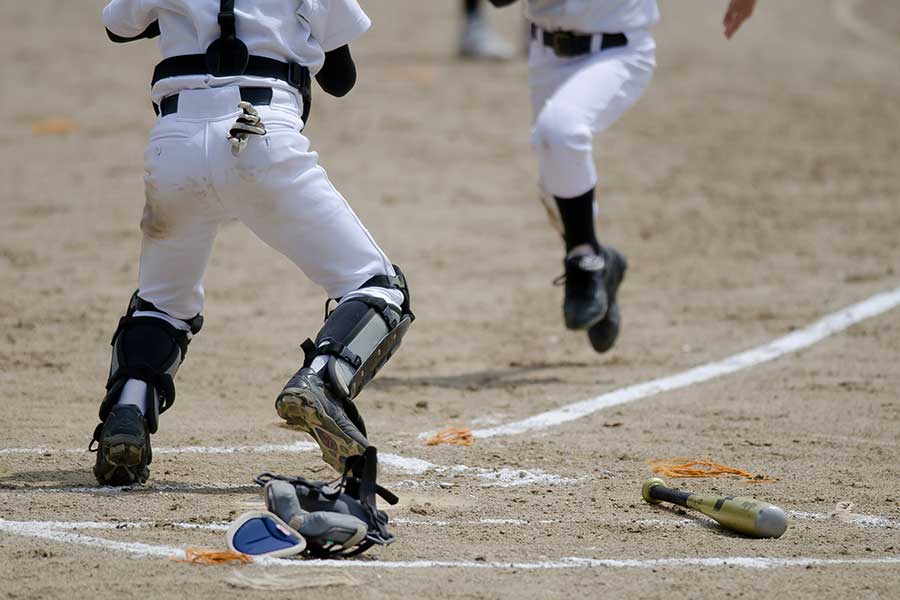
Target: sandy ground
(754, 189)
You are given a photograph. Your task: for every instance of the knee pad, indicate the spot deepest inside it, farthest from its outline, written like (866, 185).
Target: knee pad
(360, 335)
(149, 349)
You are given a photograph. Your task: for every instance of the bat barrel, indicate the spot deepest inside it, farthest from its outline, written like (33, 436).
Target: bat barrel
(744, 515)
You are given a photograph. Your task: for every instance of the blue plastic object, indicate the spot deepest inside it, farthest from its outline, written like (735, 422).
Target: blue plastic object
(261, 533)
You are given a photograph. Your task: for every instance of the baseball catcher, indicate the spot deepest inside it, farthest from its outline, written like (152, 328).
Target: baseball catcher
(232, 94)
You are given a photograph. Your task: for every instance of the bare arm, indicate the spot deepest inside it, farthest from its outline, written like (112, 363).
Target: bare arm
(738, 12)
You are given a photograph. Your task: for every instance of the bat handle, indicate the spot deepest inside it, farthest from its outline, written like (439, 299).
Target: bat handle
(655, 491)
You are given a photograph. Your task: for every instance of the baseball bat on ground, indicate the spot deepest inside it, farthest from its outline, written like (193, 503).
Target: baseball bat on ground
(744, 515)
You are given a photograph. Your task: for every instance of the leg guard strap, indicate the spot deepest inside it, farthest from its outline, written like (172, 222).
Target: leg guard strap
(397, 282)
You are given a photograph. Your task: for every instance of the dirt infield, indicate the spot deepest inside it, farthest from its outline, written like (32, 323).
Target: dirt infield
(754, 189)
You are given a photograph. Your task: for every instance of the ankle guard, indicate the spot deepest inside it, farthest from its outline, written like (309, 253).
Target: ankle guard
(149, 349)
(332, 517)
(359, 336)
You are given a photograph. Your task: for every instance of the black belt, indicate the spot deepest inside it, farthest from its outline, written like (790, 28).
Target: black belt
(570, 43)
(257, 96)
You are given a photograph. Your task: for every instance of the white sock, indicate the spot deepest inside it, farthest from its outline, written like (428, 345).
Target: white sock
(134, 392)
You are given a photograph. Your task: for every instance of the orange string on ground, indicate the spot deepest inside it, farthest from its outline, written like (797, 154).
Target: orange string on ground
(203, 556)
(458, 436)
(680, 468)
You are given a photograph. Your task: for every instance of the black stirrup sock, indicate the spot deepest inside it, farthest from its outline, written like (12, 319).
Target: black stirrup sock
(577, 215)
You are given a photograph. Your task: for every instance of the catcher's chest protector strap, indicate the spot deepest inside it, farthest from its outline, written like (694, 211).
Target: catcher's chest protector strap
(229, 56)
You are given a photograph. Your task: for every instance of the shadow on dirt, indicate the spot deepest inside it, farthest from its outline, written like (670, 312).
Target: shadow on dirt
(698, 520)
(81, 481)
(516, 375)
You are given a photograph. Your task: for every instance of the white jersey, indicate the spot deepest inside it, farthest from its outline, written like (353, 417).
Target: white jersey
(288, 30)
(592, 16)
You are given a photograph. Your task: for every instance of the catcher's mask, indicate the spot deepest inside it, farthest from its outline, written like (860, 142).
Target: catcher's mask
(338, 518)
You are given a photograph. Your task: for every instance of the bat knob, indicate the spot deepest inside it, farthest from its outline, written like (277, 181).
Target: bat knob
(645, 491)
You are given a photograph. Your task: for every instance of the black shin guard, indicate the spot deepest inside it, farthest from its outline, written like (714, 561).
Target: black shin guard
(149, 349)
(359, 336)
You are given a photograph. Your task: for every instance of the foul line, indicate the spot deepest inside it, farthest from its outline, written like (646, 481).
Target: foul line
(798, 340)
(506, 477)
(34, 530)
(152, 488)
(501, 477)
(856, 519)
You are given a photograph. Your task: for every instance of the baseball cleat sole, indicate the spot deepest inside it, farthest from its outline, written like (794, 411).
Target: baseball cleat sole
(123, 448)
(304, 409)
(122, 461)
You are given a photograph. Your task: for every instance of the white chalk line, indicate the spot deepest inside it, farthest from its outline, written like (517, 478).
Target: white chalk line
(866, 521)
(798, 340)
(34, 530)
(153, 488)
(859, 520)
(295, 447)
(846, 13)
(502, 477)
(120, 525)
(506, 477)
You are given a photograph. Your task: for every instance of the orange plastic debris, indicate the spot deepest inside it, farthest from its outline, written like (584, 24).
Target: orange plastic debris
(458, 436)
(681, 468)
(204, 556)
(54, 126)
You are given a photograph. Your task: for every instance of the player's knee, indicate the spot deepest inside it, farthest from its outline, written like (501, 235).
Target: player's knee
(560, 128)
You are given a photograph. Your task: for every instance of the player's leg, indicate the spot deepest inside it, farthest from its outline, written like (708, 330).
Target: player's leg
(295, 209)
(152, 338)
(477, 39)
(358, 337)
(574, 99)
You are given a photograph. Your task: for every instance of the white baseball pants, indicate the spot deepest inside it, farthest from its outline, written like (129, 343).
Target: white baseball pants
(275, 187)
(575, 98)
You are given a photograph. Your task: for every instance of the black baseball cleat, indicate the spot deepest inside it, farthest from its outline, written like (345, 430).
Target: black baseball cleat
(123, 447)
(603, 334)
(585, 302)
(307, 403)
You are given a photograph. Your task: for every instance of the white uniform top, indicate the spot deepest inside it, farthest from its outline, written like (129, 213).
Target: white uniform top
(592, 16)
(299, 31)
